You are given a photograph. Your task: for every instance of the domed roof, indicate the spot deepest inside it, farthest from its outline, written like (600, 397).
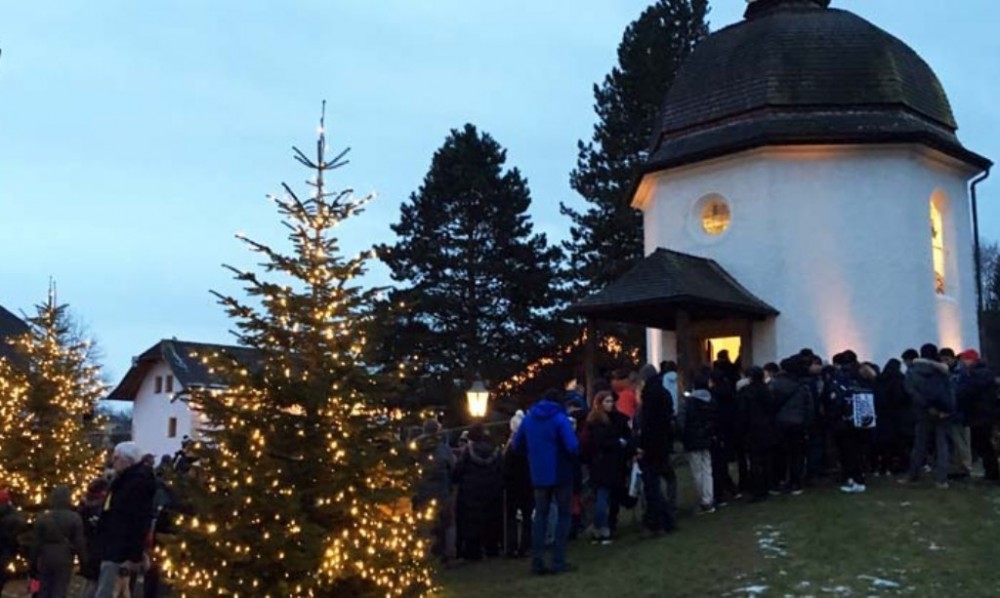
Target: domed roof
(797, 72)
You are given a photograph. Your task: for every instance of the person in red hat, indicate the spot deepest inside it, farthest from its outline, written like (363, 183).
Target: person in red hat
(976, 391)
(12, 524)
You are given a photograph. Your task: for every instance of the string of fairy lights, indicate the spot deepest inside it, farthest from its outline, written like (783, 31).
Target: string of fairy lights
(47, 423)
(302, 487)
(609, 344)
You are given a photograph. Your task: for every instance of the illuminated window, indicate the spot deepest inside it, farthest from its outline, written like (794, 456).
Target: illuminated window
(937, 248)
(715, 216)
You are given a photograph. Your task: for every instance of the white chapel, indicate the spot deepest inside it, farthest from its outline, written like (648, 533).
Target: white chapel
(805, 188)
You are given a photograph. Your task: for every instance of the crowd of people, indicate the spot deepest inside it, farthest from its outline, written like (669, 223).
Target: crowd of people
(109, 533)
(569, 466)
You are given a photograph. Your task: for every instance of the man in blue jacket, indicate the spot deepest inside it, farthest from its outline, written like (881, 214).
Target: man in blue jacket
(552, 447)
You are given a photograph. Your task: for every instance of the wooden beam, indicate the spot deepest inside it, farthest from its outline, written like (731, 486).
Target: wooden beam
(684, 346)
(590, 357)
(746, 344)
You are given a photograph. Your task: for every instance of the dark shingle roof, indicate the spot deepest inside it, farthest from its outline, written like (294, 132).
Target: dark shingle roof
(184, 360)
(10, 325)
(651, 292)
(797, 72)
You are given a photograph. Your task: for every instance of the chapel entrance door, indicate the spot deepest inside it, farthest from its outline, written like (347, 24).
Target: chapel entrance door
(709, 337)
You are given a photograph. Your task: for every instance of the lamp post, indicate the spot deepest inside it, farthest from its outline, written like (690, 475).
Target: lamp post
(477, 399)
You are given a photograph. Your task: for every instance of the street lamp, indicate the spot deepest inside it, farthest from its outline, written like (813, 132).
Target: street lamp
(477, 398)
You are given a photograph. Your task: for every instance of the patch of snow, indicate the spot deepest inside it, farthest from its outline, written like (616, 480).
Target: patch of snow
(838, 590)
(804, 584)
(934, 547)
(769, 542)
(905, 503)
(755, 590)
(880, 583)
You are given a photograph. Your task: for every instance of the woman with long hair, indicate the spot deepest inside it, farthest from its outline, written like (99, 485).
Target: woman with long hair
(608, 444)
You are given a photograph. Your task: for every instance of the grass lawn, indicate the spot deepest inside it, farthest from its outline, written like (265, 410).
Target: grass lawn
(893, 540)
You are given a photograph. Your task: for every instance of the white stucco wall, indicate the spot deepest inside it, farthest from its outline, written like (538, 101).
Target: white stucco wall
(836, 238)
(151, 414)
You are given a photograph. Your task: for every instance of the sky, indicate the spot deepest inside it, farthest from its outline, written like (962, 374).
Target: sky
(137, 138)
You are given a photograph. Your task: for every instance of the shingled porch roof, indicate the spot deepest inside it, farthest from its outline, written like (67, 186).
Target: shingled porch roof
(664, 282)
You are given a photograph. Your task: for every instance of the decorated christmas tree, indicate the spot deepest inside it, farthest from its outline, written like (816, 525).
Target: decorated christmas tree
(48, 391)
(301, 485)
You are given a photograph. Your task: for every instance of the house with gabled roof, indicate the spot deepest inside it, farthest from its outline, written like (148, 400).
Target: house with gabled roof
(10, 326)
(158, 384)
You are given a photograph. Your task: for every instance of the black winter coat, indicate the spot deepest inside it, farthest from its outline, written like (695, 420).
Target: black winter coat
(609, 452)
(11, 525)
(90, 513)
(480, 489)
(128, 515)
(793, 400)
(727, 413)
(758, 406)
(517, 476)
(977, 395)
(892, 405)
(699, 421)
(656, 416)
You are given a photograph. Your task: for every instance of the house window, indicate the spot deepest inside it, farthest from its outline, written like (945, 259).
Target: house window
(172, 427)
(170, 383)
(158, 386)
(937, 248)
(715, 215)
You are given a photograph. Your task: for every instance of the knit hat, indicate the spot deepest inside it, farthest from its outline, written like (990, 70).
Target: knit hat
(969, 355)
(515, 421)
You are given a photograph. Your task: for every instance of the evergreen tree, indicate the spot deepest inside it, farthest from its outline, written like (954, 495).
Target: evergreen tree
(48, 394)
(991, 290)
(480, 285)
(607, 237)
(989, 264)
(302, 486)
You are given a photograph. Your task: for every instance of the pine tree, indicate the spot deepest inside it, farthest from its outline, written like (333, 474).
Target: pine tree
(302, 484)
(607, 237)
(991, 290)
(481, 286)
(48, 394)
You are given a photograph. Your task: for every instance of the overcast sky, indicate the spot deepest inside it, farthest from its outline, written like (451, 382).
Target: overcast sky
(137, 137)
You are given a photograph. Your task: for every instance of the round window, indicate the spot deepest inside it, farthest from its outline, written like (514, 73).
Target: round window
(715, 216)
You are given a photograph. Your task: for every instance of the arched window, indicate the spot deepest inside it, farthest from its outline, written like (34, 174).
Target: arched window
(937, 248)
